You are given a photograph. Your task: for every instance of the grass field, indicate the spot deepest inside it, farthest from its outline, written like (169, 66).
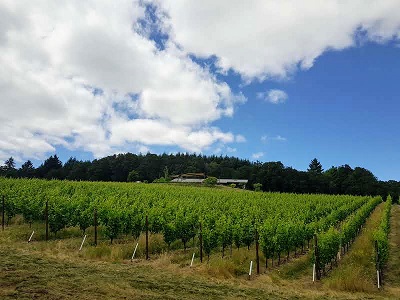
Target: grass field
(56, 270)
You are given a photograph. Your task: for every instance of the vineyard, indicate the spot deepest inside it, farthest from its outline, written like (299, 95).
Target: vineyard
(279, 222)
(208, 221)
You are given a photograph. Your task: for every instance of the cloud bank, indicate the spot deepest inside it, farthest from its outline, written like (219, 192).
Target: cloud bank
(83, 76)
(108, 76)
(263, 39)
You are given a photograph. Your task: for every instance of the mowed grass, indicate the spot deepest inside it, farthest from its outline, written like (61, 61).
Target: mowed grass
(392, 272)
(356, 271)
(28, 274)
(57, 270)
(52, 270)
(67, 242)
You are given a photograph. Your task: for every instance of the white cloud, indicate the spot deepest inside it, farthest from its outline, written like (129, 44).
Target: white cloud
(54, 55)
(260, 39)
(217, 150)
(257, 155)
(231, 150)
(280, 138)
(274, 96)
(222, 149)
(143, 149)
(240, 138)
(264, 139)
(154, 132)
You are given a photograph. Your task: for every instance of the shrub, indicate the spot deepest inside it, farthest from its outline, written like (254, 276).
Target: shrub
(160, 180)
(257, 187)
(210, 181)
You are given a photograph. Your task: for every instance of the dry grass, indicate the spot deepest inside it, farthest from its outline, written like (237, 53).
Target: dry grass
(57, 270)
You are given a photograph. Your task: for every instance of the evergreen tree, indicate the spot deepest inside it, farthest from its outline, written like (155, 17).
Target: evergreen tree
(8, 169)
(10, 164)
(27, 170)
(315, 167)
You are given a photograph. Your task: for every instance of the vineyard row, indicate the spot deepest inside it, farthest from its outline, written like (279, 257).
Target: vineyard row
(281, 222)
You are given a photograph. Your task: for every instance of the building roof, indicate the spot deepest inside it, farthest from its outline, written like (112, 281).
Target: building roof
(187, 180)
(232, 181)
(221, 181)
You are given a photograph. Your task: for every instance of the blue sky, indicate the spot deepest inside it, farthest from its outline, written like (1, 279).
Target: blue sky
(343, 110)
(319, 80)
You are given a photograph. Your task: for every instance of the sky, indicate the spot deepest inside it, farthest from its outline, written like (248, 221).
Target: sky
(262, 80)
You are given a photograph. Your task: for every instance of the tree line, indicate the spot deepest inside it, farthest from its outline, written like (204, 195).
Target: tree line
(268, 176)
